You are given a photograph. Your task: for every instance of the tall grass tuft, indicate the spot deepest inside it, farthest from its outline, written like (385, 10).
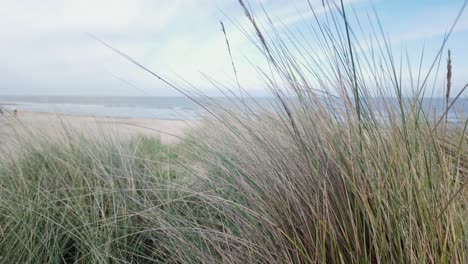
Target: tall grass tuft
(79, 200)
(344, 164)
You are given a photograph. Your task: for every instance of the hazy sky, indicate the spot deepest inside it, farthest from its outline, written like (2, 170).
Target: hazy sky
(45, 48)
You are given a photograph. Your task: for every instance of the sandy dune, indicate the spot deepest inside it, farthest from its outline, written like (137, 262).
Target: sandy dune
(169, 131)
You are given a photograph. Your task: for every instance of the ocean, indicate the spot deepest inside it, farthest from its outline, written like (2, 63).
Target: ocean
(180, 108)
(169, 108)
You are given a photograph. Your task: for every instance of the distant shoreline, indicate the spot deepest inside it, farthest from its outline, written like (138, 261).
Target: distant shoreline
(60, 114)
(160, 109)
(163, 108)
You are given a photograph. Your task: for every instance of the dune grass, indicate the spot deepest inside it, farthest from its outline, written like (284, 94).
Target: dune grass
(341, 167)
(76, 200)
(349, 166)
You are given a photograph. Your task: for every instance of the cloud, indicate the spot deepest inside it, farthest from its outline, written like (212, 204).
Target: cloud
(45, 48)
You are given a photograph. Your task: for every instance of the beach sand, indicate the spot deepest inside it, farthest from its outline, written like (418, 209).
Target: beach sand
(53, 124)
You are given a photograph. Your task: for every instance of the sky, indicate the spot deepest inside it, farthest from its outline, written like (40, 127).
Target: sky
(46, 46)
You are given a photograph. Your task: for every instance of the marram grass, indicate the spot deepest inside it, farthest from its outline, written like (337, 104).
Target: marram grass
(326, 174)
